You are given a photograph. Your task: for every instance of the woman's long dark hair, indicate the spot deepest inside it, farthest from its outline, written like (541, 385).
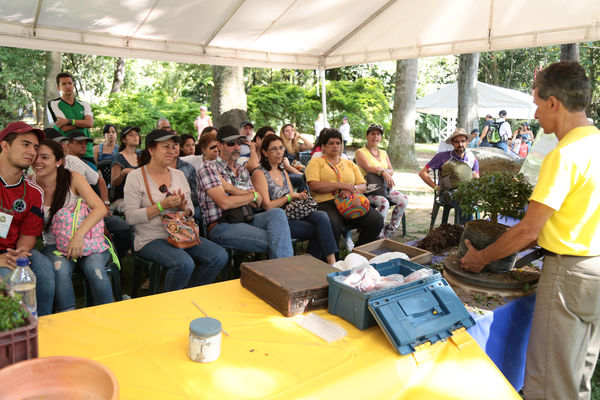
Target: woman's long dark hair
(184, 138)
(63, 181)
(264, 161)
(122, 145)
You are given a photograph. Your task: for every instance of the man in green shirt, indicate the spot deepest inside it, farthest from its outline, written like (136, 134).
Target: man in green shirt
(67, 112)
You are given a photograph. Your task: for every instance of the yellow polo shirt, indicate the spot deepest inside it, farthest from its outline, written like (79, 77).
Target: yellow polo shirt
(569, 182)
(318, 170)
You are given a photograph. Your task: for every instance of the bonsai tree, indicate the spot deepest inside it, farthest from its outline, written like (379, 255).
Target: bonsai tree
(12, 313)
(493, 194)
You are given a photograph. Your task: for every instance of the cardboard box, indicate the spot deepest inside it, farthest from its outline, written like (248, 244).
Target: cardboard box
(291, 285)
(381, 246)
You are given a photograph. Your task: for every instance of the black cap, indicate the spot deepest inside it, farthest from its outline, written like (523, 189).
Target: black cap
(475, 130)
(502, 113)
(227, 133)
(53, 134)
(159, 135)
(128, 129)
(245, 123)
(78, 135)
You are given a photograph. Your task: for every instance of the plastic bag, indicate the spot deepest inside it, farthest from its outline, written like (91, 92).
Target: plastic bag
(418, 275)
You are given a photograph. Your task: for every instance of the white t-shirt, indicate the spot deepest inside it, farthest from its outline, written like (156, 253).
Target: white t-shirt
(73, 163)
(345, 131)
(196, 161)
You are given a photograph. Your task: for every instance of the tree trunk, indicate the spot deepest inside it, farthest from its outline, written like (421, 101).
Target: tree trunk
(229, 103)
(468, 66)
(402, 133)
(53, 68)
(569, 52)
(119, 75)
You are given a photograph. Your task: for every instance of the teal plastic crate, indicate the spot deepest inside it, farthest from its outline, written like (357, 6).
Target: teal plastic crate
(418, 312)
(352, 305)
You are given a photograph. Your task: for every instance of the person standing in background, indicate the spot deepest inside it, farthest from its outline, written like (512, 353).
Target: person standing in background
(345, 131)
(320, 123)
(202, 120)
(68, 113)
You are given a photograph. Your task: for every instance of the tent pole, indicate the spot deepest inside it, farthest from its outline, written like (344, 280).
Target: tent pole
(323, 95)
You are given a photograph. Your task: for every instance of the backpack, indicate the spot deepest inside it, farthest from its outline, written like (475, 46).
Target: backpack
(493, 133)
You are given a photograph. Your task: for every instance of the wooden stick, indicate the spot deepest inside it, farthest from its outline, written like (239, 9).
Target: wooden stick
(206, 315)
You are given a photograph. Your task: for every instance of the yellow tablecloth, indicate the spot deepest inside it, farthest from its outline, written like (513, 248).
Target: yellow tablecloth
(266, 356)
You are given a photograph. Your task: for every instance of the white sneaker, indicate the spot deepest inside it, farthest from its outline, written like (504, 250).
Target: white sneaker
(349, 242)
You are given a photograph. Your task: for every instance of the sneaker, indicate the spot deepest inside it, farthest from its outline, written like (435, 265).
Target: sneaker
(349, 242)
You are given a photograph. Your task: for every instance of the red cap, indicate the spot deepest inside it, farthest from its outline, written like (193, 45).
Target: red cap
(21, 127)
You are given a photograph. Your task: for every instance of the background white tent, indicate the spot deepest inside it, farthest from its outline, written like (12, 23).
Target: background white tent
(293, 33)
(490, 100)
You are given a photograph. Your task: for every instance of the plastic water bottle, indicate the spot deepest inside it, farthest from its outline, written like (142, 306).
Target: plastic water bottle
(22, 281)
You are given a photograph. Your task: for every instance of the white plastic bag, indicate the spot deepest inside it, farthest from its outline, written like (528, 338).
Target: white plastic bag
(418, 275)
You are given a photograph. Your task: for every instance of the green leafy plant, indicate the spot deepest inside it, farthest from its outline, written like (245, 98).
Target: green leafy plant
(493, 194)
(12, 313)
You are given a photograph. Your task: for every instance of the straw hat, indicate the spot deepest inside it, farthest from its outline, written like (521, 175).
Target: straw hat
(459, 132)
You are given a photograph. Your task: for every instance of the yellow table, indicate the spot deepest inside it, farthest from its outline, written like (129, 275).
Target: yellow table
(266, 356)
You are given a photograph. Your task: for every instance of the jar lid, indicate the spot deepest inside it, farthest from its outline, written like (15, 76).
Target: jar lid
(205, 327)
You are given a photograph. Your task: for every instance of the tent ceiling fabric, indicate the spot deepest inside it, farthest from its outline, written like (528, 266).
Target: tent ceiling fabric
(293, 33)
(490, 100)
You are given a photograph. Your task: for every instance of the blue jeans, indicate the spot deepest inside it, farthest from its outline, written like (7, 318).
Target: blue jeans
(499, 145)
(44, 282)
(181, 263)
(93, 269)
(317, 230)
(269, 233)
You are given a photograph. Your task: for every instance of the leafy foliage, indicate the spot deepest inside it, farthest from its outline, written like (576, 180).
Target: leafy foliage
(12, 313)
(495, 193)
(144, 109)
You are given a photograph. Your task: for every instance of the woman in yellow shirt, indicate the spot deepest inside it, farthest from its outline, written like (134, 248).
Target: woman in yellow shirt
(322, 181)
(371, 159)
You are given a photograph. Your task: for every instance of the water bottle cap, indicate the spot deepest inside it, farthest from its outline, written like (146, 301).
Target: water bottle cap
(22, 262)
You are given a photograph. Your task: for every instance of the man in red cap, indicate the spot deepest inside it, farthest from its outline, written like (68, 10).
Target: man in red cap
(21, 217)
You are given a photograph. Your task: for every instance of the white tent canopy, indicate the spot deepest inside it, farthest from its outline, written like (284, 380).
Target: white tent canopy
(293, 33)
(490, 100)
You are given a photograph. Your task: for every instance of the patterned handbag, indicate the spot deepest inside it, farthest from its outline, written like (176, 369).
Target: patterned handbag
(65, 223)
(354, 206)
(301, 208)
(183, 230)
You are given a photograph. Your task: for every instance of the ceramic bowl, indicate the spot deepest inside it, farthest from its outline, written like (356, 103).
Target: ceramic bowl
(59, 377)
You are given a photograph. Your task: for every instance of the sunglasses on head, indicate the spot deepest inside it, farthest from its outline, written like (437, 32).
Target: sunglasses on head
(163, 189)
(239, 141)
(375, 127)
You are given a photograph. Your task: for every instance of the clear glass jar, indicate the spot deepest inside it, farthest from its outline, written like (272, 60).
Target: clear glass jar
(205, 340)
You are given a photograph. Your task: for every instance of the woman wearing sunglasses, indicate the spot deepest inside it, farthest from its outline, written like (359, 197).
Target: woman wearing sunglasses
(371, 159)
(194, 266)
(273, 183)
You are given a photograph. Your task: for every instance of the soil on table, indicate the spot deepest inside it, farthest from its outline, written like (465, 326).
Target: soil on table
(442, 238)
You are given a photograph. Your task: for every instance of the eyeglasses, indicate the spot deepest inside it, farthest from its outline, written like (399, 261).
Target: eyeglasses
(274, 149)
(212, 147)
(239, 141)
(163, 189)
(375, 126)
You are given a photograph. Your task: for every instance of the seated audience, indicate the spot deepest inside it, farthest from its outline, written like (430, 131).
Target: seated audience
(22, 200)
(126, 160)
(371, 159)
(62, 189)
(109, 149)
(275, 188)
(294, 143)
(459, 140)
(247, 149)
(323, 182)
(187, 145)
(197, 265)
(253, 162)
(224, 185)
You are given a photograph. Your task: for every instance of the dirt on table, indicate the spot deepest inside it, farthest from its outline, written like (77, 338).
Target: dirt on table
(478, 303)
(441, 238)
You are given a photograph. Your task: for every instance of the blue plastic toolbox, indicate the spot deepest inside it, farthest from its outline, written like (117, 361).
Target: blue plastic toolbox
(423, 311)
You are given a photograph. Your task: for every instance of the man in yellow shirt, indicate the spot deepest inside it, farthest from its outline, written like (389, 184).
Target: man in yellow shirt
(564, 218)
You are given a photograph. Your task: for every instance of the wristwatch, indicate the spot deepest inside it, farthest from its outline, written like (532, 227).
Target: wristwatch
(106, 202)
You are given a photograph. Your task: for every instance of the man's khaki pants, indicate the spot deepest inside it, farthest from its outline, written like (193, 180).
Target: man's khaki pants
(564, 340)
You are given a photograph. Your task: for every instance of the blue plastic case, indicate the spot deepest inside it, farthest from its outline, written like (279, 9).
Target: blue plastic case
(422, 311)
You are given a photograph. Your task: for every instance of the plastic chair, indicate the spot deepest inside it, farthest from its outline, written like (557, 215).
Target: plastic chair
(437, 204)
(104, 169)
(153, 269)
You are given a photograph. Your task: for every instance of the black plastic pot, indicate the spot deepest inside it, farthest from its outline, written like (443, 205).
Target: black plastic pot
(482, 233)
